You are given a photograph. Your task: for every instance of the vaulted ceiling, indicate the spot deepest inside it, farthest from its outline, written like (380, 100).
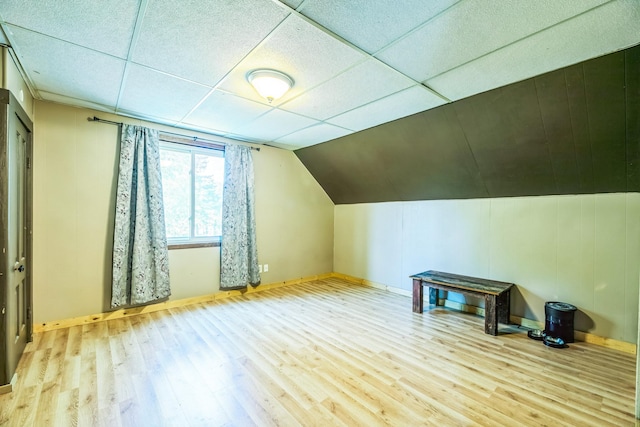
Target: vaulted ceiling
(571, 131)
(356, 64)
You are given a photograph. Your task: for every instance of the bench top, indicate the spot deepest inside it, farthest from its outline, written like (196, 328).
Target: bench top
(474, 284)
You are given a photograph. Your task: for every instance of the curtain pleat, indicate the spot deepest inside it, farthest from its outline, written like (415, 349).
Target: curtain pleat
(140, 254)
(239, 252)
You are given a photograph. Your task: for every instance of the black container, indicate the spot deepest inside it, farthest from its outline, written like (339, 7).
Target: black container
(559, 320)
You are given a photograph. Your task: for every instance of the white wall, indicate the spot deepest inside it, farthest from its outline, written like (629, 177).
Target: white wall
(75, 172)
(581, 249)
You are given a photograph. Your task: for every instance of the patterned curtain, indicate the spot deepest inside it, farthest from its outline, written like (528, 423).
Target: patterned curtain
(239, 252)
(140, 255)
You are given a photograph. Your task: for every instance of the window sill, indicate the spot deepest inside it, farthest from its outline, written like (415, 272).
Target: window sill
(193, 245)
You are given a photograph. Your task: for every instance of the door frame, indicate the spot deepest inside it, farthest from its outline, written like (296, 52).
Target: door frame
(10, 109)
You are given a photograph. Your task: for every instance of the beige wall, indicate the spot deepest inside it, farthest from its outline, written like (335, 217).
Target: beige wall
(579, 249)
(583, 250)
(74, 186)
(12, 80)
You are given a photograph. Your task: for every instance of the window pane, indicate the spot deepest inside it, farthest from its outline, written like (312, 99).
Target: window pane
(209, 177)
(176, 185)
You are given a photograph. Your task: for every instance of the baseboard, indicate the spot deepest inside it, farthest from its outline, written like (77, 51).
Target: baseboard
(135, 311)
(8, 388)
(516, 320)
(366, 282)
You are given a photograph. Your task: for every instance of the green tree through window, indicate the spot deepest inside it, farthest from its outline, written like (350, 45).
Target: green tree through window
(192, 181)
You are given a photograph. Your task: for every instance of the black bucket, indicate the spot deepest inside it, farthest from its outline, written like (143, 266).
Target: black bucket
(559, 320)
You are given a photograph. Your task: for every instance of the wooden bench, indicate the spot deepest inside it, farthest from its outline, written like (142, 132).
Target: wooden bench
(496, 294)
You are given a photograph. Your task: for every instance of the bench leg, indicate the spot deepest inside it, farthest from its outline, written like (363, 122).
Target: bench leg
(504, 302)
(417, 296)
(490, 315)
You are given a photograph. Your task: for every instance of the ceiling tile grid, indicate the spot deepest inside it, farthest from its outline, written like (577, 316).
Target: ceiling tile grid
(355, 64)
(311, 136)
(472, 29)
(293, 3)
(203, 41)
(299, 49)
(545, 51)
(224, 112)
(62, 99)
(373, 24)
(357, 86)
(274, 124)
(84, 74)
(103, 26)
(148, 90)
(395, 106)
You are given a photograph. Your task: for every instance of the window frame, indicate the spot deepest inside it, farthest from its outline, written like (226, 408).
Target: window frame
(186, 146)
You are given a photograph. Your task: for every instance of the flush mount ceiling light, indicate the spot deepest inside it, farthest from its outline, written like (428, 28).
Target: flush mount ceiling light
(270, 84)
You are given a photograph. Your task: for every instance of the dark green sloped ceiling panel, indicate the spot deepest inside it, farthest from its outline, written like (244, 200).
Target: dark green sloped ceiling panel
(570, 131)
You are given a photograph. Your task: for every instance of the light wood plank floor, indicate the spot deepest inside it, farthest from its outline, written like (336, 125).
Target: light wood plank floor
(322, 353)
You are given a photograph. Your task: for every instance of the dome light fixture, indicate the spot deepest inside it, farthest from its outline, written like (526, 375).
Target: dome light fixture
(270, 84)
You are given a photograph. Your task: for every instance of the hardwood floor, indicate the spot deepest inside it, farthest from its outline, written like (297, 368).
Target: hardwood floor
(321, 353)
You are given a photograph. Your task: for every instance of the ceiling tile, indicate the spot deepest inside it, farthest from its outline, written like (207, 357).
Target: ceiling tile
(148, 91)
(360, 85)
(274, 124)
(83, 74)
(305, 53)
(222, 111)
(472, 29)
(312, 135)
(105, 27)
(400, 104)
(586, 36)
(372, 24)
(201, 41)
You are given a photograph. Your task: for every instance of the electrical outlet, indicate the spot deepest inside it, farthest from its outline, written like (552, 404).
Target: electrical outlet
(266, 268)
(259, 268)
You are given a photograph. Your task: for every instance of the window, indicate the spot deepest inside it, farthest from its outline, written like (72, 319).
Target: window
(192, 180)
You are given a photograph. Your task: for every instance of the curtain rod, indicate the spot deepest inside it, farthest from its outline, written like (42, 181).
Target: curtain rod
(193, 138)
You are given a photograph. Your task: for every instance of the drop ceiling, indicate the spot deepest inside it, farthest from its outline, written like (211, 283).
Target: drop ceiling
(356, 64)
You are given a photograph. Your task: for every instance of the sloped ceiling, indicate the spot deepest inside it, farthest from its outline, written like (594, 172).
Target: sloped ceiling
(571, 131)
(356, 63)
